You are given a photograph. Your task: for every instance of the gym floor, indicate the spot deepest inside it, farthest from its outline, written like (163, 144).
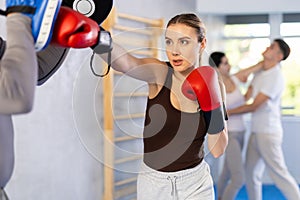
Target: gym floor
(270, 192)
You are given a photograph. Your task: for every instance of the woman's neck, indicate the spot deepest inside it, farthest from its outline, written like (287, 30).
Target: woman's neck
(225, 76)
(181, 75)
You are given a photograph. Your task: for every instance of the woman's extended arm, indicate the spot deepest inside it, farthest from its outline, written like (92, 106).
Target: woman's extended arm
(150, 70)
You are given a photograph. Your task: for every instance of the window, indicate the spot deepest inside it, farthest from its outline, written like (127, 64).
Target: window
(291, 68)
(246, 37)
(247, 30)
(244, 43)
(290, 29)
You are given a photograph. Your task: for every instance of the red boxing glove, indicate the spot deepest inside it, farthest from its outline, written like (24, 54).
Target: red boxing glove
(202, 85)
(75, 30)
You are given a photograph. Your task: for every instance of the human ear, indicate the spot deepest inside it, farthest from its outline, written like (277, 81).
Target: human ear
(279, 56)
(202, 45)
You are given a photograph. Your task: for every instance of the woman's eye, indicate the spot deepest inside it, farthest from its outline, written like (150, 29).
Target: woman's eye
(168, 42)
(184, 42)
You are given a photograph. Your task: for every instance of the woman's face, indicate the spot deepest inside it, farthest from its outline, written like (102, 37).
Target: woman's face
(224, 66)
(182, 46)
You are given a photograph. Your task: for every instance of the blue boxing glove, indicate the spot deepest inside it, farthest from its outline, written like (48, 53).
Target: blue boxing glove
(43, 14)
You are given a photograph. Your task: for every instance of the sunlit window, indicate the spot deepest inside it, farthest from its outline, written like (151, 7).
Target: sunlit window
(244, 44)
(247, 30)
(290, 29)
(291, 70)
(245, 52)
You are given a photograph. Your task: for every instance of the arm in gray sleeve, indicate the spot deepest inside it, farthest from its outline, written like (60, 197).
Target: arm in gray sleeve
(18, 68)
(49, 60)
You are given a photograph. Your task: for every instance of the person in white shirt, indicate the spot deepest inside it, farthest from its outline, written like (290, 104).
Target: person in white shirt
(232, 177)
(264, 148)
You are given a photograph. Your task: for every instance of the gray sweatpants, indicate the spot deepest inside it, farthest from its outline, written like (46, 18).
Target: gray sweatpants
(190, 184)
(18, 76)
(232, 176)
(264, 150)
(3, 195)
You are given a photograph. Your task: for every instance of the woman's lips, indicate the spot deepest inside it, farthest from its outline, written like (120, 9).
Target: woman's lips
(177, 62)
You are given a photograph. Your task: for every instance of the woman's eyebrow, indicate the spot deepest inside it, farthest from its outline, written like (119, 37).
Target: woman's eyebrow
(185, 37)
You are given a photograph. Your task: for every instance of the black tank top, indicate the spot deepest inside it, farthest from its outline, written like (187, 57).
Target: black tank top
(173, 140)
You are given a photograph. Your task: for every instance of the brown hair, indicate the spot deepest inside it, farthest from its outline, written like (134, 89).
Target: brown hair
(215, 59)
(284, 48)
(190, 20)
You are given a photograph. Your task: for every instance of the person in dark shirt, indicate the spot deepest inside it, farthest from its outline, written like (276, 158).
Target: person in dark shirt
(184, 104)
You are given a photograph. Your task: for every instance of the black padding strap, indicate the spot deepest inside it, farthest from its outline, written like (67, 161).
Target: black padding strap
(104, 45)
(225, 112)
(2, 47)
(108, 65)
(3, 12)
(21, 9)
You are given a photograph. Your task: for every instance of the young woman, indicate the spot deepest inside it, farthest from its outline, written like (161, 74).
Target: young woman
(184, 104)
(175, 128)
(232, 176)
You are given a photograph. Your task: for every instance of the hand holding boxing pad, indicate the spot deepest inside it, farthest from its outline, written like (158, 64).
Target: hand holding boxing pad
(75, 30)
(202, 85)
(43, 14)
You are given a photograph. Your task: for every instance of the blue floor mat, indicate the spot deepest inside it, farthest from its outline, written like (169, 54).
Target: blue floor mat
(270, 192)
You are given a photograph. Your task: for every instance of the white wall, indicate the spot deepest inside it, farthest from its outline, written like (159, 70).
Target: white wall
(214, 27)
(218, 7)
(155, 8)
(58, 145)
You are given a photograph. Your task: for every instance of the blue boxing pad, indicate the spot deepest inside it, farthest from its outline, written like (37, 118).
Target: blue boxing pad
(97, 10)
(50, 60)
(43, 14)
